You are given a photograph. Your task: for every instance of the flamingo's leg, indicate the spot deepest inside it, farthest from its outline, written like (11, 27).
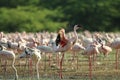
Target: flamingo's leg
(116, 59)
(90, 68)
(61, 76)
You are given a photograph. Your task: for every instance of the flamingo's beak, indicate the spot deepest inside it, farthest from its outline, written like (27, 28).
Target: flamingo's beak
(80, 26)
(21, 57)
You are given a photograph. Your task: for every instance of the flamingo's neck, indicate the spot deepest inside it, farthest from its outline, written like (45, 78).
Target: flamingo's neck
(76, 36)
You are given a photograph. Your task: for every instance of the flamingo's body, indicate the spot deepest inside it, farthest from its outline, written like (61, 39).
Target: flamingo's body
(116, 43)
(46, 49)
(50, 49)
(86, 40)
(105, 49)
(91, 49)
(78, 47)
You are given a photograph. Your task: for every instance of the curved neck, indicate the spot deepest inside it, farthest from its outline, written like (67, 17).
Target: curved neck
(76, 35)
(16, 75)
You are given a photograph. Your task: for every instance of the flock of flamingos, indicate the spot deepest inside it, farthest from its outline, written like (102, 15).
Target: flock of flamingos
(29, 44)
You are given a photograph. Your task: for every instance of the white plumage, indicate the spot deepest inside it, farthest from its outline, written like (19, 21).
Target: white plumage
(116, 43)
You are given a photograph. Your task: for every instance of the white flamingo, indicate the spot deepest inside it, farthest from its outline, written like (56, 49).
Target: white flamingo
(9, 54)
(86, 40)
(50, 49)
(28, 52)
(116, 45)
(3, 39)
(77, 48)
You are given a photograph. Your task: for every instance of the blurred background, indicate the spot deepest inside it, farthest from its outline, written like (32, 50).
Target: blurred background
(51, 15)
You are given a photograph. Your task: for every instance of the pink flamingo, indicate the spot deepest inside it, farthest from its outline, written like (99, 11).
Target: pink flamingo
(91, 50)
(75, 49)
(65, 44)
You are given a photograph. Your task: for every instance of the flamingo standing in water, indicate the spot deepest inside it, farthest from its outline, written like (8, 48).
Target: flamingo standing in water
(65, 44)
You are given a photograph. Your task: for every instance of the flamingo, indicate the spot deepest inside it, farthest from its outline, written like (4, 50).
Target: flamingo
(50, 49)
(9, 54)
(105, 49)
(77, 48)
(2, 37)
(91, 50)
(65, 44)
(86, 40)
(116, 45)
(28, 52)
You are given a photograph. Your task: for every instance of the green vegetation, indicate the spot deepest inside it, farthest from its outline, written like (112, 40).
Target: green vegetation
(47, 15)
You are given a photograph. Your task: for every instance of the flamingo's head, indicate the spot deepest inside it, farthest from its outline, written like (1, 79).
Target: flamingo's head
(2, 48)
(77, 26)
(61, 33)
(26, 53)
(61, 39)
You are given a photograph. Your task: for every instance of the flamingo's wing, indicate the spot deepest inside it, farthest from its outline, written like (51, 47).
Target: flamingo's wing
(45, 49)
(57, 41)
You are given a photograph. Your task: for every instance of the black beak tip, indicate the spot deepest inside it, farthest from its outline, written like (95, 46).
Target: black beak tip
(79, 25)
(21, 57)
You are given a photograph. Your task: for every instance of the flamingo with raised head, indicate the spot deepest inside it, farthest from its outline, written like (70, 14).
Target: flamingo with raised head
(65, 44)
